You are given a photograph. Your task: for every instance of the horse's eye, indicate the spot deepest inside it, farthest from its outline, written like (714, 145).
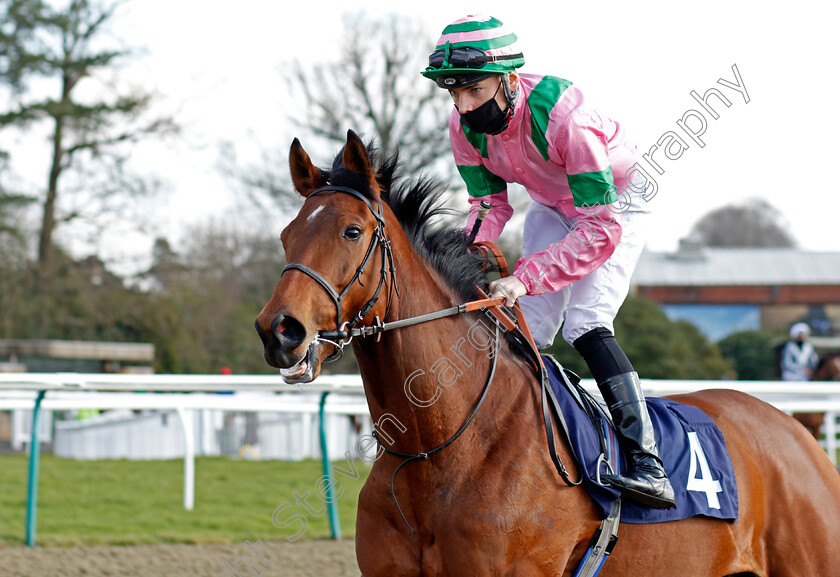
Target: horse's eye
(352, 233)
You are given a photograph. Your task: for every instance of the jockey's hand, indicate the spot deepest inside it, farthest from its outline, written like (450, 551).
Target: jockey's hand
(508, 288)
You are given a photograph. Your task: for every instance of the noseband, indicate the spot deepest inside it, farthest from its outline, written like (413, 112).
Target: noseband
(343, 331)
(346, 331)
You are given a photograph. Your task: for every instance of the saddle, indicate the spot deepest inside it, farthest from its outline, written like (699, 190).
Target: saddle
(693, 451)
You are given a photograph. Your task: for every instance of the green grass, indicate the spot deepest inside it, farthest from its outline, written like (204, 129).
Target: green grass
(131, 502)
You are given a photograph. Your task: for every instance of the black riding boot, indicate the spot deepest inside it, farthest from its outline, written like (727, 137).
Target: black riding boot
(645, 479)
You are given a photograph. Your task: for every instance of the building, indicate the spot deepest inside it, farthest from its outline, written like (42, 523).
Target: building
(45, 356)
(723, 290)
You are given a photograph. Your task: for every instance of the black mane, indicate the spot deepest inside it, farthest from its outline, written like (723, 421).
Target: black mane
(419, 206)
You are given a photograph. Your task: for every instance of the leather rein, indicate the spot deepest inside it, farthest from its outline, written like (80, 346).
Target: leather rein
(503, 318)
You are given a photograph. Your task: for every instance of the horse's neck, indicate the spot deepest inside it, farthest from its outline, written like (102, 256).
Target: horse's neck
(422, 382)
(828, 370)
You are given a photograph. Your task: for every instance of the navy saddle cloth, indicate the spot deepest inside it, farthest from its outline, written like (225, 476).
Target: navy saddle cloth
(690, 445)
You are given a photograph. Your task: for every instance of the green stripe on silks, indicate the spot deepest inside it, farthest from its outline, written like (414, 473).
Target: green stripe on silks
(488, 44)
(480, 181)
(472, 25)
(477, 139)
(591, 188)
(540, 102)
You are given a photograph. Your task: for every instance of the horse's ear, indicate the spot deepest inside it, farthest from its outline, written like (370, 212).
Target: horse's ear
(357, 159)
(306, 177)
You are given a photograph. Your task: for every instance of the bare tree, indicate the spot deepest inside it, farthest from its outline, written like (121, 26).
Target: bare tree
(374, 88)
(755, 223)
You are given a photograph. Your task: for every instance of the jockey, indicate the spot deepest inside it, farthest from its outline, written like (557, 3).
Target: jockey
(799, 359)
(580, 243)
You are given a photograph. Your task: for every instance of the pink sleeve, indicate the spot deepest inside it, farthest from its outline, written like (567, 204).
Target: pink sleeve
(584, 142)
(497, 217)
(585, 153)
(589, 244)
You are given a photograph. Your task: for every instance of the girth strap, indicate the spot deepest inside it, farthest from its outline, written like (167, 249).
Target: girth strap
(602, 543)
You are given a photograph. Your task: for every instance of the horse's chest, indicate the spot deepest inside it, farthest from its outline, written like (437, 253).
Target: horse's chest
(470, 524)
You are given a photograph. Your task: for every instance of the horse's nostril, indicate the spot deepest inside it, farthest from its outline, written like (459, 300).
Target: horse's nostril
(263, 336)
(289, 331)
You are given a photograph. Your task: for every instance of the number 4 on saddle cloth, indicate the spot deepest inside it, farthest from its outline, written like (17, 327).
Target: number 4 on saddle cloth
(690, 445)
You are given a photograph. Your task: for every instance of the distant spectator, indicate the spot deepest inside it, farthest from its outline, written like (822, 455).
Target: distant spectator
(799, 359)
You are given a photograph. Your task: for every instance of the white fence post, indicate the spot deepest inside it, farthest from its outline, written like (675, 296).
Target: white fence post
(187, 422)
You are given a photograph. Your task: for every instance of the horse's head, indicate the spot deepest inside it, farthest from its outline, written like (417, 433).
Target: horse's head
(336, 262)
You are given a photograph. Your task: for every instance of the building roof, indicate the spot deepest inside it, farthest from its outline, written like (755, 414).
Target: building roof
(95, 350)
(696, 265)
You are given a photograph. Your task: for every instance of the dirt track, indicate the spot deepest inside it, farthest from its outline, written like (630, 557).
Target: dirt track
(275, 559)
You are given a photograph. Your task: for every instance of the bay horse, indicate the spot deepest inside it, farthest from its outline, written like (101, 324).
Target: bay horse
(828, 369)
(363, 253)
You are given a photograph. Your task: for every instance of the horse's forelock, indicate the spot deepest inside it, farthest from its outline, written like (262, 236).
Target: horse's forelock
(350, 179)
(384, 170)
(419, 206)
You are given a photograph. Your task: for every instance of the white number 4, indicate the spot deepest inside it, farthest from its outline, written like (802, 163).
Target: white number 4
(704, 483)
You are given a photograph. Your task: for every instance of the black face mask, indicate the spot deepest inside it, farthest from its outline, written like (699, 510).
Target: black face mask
(488, 118)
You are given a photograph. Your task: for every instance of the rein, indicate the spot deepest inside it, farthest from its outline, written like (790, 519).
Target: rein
(380, 327)
(411, 457)
(345, 333)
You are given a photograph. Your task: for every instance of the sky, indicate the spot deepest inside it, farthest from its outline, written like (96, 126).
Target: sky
(220, 70)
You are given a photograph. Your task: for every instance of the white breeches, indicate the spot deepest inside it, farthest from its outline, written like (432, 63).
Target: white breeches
(587, 303)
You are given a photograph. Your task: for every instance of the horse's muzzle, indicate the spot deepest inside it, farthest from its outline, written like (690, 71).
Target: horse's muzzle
(282, 342)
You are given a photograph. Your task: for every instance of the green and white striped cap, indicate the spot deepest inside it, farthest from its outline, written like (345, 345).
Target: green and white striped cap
(494, 50)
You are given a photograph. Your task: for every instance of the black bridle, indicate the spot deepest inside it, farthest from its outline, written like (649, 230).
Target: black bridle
(344, 331)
